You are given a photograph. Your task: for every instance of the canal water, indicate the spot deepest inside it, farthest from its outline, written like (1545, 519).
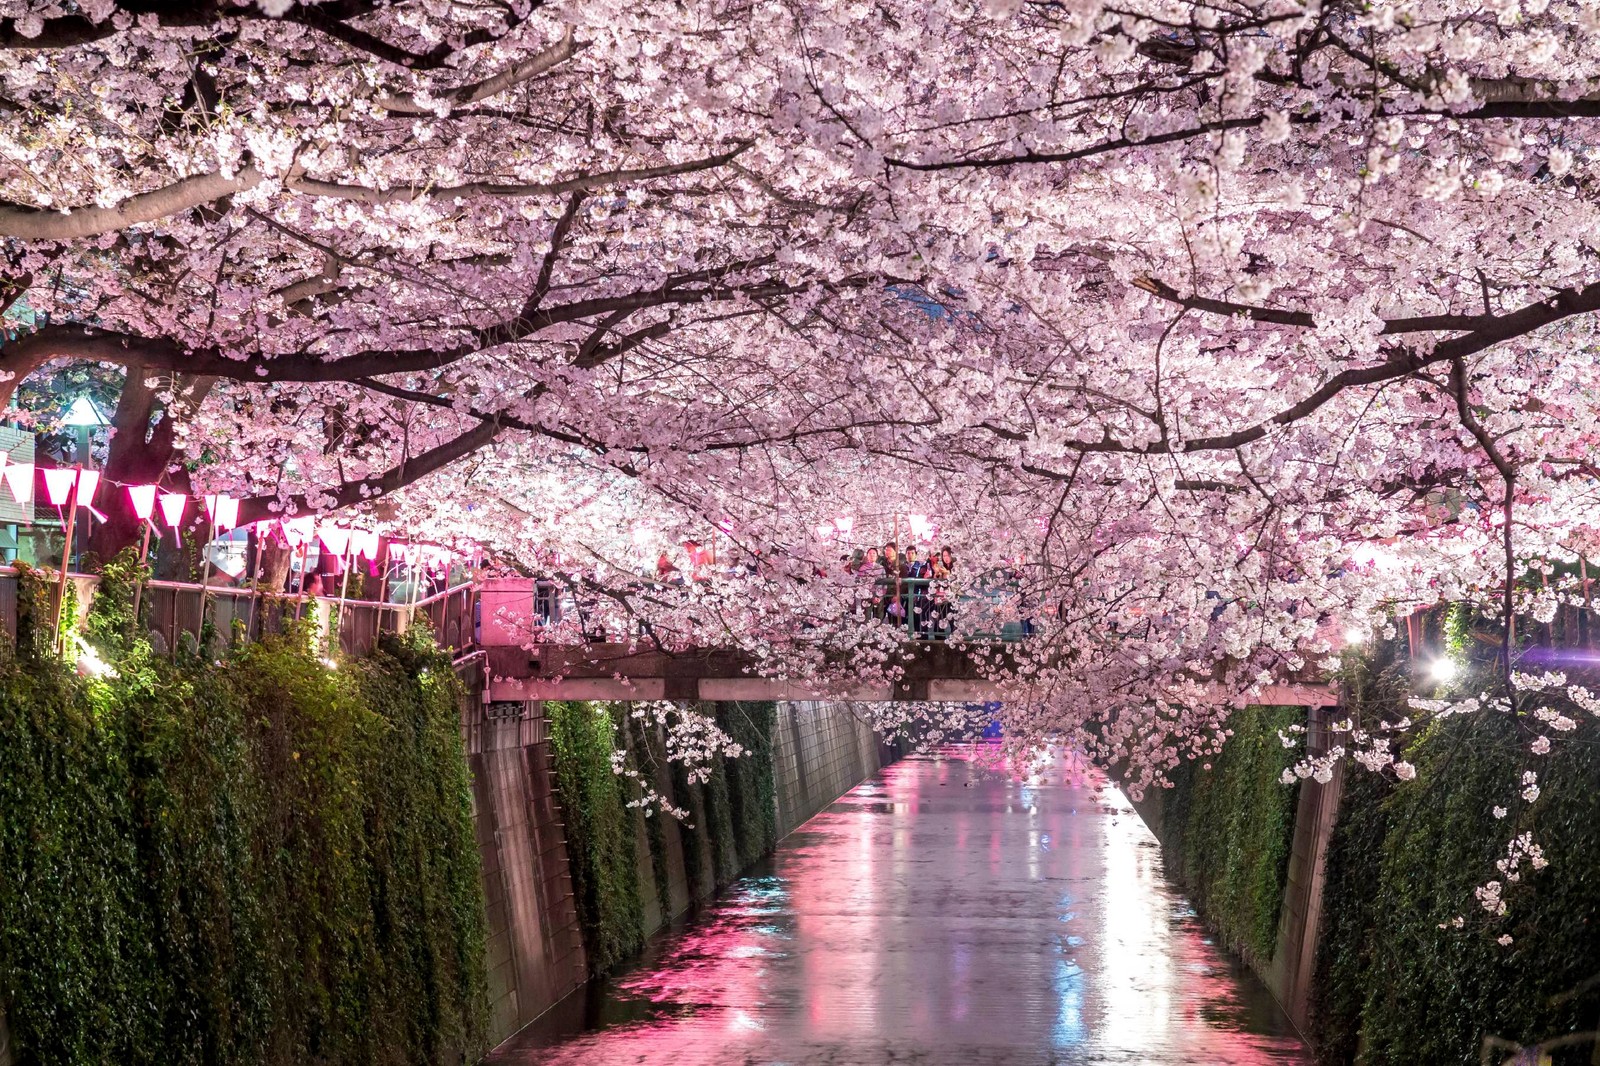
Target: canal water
(944, 913)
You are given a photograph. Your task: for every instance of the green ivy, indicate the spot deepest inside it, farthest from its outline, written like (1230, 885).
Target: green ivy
(600, 831)
(1390, 985)
(256, 860)
(733, 817)
(752, 792)
(1226, 831)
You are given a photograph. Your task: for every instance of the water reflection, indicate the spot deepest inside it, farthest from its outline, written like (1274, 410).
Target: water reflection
(940, 914)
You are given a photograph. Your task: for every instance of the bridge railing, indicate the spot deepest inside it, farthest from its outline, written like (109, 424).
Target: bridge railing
(511, 611)
(926, 608)
(172, 608)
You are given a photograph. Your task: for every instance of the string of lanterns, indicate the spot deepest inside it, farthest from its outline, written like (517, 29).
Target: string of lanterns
(221, 510)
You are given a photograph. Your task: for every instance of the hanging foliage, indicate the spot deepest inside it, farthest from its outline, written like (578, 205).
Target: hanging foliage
(256, 860)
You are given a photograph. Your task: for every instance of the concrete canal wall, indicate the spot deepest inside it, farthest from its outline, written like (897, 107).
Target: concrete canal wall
(813, 753)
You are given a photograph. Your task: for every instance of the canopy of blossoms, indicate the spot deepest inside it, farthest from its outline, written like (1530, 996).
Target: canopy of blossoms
(1231, 328)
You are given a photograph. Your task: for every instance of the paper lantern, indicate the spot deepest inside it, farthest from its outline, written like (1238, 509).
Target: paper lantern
(364, 544)
(143, 499)
(844, 524)
(224, 512)
(19, 479)
(172, 505)
(920, 526)
(88, 481)
(824, 529)
(298, 531)
(334, 538)
(58, 484)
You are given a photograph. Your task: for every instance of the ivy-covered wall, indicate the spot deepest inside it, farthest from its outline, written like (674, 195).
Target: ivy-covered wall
(732, 822)
(250, 859)
(599, 828)
(1227, 830)
(1392, 987)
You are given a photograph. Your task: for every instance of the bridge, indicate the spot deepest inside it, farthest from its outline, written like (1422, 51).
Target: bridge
(932, 671)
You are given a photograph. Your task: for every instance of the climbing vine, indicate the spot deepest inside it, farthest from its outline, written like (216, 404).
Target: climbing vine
(1227, 826)
(1409, 968)
(601, 844)
(245, 860)
(604, 756)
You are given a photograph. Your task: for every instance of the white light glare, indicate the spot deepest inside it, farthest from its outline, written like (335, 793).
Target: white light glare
(1355, 635)
(330, 663)
(1443, 669)
(91, 665)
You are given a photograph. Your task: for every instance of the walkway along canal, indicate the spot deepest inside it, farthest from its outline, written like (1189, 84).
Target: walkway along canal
(943, 912)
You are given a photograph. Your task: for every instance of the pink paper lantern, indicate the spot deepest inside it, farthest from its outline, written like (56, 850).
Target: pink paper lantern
(227, 515)
(143, 499)
(298, 531)
(334, 538)
(364, 544)
(58, 484)
(19, 479)
(172, 505)
(88, 481)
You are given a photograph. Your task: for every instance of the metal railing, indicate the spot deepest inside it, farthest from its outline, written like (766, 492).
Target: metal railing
(172, 608)
(927, 608)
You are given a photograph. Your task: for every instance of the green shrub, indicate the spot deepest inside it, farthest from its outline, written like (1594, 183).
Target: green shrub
(1392, 987)
(256, 860)
(751, 787)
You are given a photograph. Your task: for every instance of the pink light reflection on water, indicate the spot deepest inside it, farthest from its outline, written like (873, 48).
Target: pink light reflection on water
(944, 913)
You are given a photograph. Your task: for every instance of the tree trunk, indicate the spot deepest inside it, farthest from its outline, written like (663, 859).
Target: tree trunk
(140, 453)
(275, 561)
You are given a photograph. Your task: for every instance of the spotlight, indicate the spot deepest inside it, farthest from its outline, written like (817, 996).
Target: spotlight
(1443, 670)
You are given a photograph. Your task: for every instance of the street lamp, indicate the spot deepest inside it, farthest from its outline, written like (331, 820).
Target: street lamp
(83, 416)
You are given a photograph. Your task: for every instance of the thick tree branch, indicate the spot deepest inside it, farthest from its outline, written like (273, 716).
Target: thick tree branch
(256, 508)
(474, 92)
(39, 224)
(34, 223)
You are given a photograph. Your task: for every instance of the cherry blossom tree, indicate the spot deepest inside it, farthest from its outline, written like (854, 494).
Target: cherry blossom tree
(1228, 329)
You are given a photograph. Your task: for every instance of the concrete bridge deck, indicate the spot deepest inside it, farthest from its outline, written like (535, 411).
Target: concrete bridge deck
(933, 672)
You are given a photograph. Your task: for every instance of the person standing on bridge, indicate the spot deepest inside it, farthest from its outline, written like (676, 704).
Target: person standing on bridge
(894, 572)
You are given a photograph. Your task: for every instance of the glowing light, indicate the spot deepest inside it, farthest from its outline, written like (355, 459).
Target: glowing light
(298, 531)
(91, 665)
(331, 664)
(1443, 669)
(844, 524)
(88, 481)
(921, 528)
(335, 538)
(1355, 635)
(143, 499)
(19, 479)
(364, 544)
(82, 413)
(58, 484)
(223, 510)
(824, 529)
(172, 506)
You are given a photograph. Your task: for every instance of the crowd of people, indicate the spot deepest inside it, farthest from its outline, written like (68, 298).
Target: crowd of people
(907, 587)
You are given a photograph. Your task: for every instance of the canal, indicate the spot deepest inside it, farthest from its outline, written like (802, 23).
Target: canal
(944, 913)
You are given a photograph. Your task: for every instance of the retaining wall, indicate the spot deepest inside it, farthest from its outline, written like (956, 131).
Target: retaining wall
(1287, 973)
(535, 951)
(820, 751)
